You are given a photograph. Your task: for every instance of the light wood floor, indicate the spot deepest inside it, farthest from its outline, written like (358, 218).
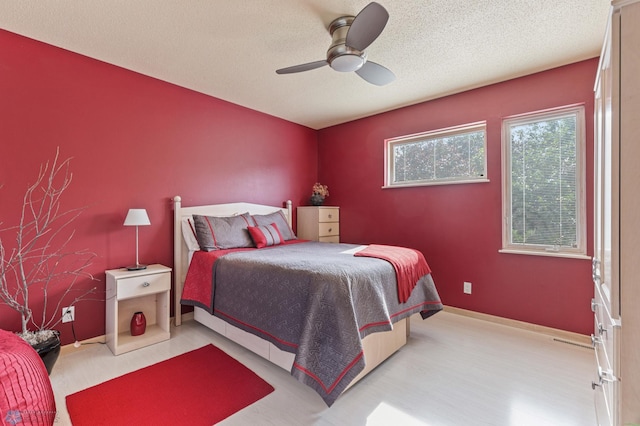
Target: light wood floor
(454, 370)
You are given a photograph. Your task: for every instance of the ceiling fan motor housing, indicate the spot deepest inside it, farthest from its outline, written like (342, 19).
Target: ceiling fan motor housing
(340, 56)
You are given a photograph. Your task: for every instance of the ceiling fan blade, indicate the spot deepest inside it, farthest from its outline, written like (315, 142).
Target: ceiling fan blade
(376, 74)
(367, 26)
(303, 67)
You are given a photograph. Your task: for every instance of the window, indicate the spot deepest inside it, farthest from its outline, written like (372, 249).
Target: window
(452, 155)
(543, 183)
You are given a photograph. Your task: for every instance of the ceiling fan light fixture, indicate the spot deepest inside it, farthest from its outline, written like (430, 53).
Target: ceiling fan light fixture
(347, 63)
(350, 36)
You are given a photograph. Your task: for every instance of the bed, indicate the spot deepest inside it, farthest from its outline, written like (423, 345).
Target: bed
(328, 313)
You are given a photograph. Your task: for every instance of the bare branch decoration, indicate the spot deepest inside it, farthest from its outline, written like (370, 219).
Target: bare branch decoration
(41, 259)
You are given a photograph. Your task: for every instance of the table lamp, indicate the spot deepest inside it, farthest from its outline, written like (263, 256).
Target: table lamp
(137, 217)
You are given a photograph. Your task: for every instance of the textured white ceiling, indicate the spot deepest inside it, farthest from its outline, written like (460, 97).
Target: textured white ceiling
(230, 49)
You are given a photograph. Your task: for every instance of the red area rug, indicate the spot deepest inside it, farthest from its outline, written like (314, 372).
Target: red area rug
(201, 387)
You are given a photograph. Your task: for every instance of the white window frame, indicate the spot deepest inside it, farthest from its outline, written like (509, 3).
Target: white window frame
(431, 135)
(580, 251)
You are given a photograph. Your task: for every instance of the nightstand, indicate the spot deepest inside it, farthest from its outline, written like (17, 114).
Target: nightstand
(321, 223)
(146, 290)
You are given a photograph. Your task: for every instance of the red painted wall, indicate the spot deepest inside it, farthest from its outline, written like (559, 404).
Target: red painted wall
(458, 227)
(135, 142)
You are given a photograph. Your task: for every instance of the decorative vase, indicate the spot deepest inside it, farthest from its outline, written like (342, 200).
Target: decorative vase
(316, 200)
(138, 324)
(49, 350)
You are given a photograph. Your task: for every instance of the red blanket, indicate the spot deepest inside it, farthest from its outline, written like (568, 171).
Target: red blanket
(410, 265)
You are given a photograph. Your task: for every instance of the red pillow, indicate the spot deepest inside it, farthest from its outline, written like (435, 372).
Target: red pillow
(265, 236)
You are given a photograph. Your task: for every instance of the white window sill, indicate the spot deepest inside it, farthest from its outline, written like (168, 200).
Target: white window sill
(448, 182)
(546, 253)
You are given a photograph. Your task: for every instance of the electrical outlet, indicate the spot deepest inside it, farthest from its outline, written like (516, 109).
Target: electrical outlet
(68, 314)
(467, 287)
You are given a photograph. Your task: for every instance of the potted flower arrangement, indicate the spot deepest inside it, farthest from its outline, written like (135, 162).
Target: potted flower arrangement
(40, 266)
(318, 194)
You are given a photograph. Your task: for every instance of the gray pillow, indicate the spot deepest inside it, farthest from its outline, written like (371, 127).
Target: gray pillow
(279, 219)
(219, 233)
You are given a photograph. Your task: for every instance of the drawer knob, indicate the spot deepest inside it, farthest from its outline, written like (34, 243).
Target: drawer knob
(330, 229)
(605, 376)
(601, 328)
(145, 284)
(595, 271)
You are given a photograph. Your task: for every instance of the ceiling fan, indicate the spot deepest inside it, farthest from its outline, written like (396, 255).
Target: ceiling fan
(351, 35)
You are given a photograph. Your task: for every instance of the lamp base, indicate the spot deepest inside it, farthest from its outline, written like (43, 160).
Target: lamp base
(136, 267)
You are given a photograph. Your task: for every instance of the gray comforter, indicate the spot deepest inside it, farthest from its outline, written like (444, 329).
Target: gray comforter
(318, 302)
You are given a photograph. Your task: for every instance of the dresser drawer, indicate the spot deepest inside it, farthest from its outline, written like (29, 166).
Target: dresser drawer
(604, 416)
(328, 229)
(333, 239)
(603, 331)
(329, 215)
(140, 286)
(603, 349)
(605, 389)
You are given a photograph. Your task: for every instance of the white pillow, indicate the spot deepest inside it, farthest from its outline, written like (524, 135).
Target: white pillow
(189, 234)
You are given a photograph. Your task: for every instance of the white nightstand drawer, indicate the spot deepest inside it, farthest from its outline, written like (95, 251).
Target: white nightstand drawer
(140, 286)
(328, 229)
(329, 215)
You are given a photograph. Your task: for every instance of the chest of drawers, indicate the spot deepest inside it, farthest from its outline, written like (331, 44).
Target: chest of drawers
(319, 223)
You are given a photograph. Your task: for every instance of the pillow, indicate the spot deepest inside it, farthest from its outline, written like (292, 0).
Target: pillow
(189, 234)
(278, 218)
(219, 233)
(265, 236)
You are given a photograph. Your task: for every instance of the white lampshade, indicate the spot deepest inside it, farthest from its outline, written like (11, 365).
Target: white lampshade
(137, 217)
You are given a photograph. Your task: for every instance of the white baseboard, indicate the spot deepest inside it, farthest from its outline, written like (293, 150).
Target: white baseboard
(187, 317)
(563, 335)
(70, 348)
(566, 336)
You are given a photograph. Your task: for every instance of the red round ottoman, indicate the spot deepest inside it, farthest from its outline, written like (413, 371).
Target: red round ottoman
(26, 396)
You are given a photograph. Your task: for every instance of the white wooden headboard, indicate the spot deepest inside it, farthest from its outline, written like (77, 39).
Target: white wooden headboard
(180, 249)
